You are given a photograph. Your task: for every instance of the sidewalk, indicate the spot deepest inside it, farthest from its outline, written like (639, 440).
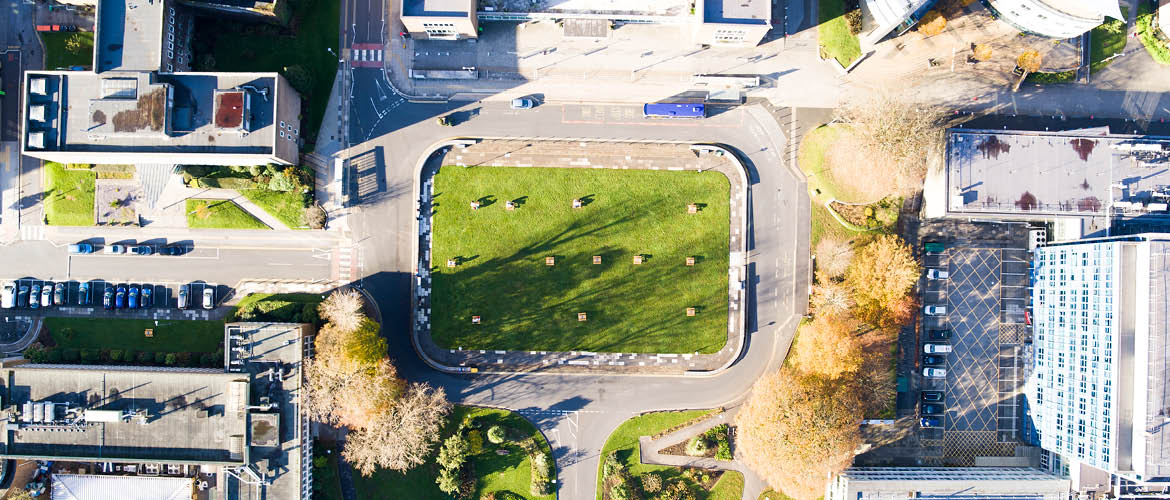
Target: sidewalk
(61, 235)
(176, 195)
(648, 448)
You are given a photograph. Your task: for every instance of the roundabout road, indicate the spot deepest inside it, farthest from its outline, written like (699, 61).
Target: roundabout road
(578, 412)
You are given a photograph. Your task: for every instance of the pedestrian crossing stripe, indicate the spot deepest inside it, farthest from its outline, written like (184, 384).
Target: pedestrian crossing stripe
(32, 232)
(367, 55)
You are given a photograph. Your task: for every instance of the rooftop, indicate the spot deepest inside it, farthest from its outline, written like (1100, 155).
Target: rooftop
(1157, 460)
(1076, 173)
(130, 34)
(191, 416)
(438, 8)
(593, 7)
(101, 487)
(737, 11)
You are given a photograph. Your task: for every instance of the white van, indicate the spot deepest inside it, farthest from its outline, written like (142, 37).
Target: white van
(936, 348)
(934, 372)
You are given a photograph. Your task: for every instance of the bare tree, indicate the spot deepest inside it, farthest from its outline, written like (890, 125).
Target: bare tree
(831, 299)
(895, 136)
(343, 309)
(402, 437)
(350, 395)
(833, 257)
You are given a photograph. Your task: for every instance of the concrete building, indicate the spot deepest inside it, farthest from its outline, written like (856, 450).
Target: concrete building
(141, 104)
(733, 22)
(1098, 392)
(440, 19)
(953, 483)
(881, 17)
(1054, 18)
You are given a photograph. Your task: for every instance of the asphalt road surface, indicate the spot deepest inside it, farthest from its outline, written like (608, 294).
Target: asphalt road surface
(576, 412)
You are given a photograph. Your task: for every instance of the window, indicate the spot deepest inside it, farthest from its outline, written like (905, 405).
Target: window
(170, 46)
(282, 134)
(282, 124)
(170, 67)
(171, 37)
(170, 54)
(172, 10)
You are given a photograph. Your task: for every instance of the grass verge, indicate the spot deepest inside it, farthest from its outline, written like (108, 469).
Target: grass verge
(68, 195)
(493, 472)
(220, 214)
(288, 206)
(168, 336)
(1107, 40)
(773, 495)
(1150, 35)
(1044, 78)
(59, 57)
(525, 304)
(833, 33)
(728, 487)
(624, 440)
(278, 307)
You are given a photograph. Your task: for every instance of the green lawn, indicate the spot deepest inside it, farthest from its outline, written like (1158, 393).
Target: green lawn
(511, 472)
(221, 214)
(58, 57)
(169, 336)
(527, 305)
(1106, 40)
(624, 440)
(773, 495)
(1150, 35)
(326, 479)
(68, 195)
(728, 487)
(833, 33)
(241, 46)
(287, 206)
(814, 147)
(281, 307)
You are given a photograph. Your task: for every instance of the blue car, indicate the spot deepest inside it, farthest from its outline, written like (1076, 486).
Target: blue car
(120, 298)
(34, 299)
(930, 422)
(133, 299)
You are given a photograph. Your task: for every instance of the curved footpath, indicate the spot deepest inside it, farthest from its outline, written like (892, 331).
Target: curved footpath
(578, 412)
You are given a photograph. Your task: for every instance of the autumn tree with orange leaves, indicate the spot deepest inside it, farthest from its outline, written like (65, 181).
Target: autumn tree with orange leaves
(880, 276)
(829, 347)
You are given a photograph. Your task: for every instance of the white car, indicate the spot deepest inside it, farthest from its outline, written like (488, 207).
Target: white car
(522, 103)
(937, 274)
(114, 249)
(934, 372)
(8, 295)
(936, 348)
(935, 310)
(209, 296)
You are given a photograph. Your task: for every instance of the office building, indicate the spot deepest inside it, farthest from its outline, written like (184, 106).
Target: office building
(951, 483)
(1059, 19)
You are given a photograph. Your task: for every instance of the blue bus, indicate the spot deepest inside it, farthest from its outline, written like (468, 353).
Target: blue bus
(674, 110)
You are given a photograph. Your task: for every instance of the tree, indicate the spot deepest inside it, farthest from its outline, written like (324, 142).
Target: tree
(402, 437)
(454, 452)
(895, 136)
(350, 381)
(74, 43)
(300, 78)
(796, 429)
(651, 482)
(881, 274)
(1030, 61)
(932, 23)
(833, 257)
(828, 346)
(981, 52)
(343, 309)
(831, 299)
(495, 434)
(448, 480)
(282, 181)
(315, 216)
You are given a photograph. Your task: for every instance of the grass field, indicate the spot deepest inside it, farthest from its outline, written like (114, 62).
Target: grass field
(728, 487)
(282, 307)
(511, 472)
(1107, 40)
(221, 214)
(833, 33)
(624, 440)
(68, 195)
(773, 495)
(287, 206)
(58, 57)
(240, 46)
(169, 336)
(527, 305)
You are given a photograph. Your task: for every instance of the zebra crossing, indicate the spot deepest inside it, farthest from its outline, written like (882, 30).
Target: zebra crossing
(31, 232)
(347, 262)
(366, 55)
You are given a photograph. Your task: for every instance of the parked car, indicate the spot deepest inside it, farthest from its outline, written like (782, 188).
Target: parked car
(933, 247)
(930, 422)
(22, 296)
(934, 372)
(59, 294)
(34, 298)
(108, 297)
(83, 296)
(523, 103)
(936, 348)
(935, 310)
(80, 248)
(931, 360)
(147, 296)
(8, 295)
(47, 294)
(114, 249)
(132, 298)
(120, 298)
(939, 335)
(209, 296)
(937, 274)
(933, 396)
(142, 250)
(932, 409)
(172, 250)
(183, 292)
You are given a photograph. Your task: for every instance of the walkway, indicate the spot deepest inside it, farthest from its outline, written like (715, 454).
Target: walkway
(174, 195)
(648, 453)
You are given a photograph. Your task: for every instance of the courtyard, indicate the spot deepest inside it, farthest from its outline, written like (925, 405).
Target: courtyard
(639, 265)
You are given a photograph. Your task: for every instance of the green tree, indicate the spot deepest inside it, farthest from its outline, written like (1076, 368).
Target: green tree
(448, 481)
(454, 452)
(300, 78)
(496, 434)
(74, 43)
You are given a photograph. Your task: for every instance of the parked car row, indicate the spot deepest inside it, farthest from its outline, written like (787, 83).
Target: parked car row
(37, 294)
(119, 249)
(40, 294)
(931, 408)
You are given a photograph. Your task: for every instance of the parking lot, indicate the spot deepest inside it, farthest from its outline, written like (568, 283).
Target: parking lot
(164, 304)
(985, 296)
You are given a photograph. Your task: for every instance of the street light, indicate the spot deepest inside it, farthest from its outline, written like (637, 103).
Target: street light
(330, 49)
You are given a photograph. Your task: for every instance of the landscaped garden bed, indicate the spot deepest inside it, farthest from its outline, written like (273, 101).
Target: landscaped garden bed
(124, 342)
(611, 275)
(69, 194)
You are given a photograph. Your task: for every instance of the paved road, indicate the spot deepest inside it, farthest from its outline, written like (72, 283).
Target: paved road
(577, 413)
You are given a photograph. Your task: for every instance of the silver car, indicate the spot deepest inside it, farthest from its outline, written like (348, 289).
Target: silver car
(8, 295)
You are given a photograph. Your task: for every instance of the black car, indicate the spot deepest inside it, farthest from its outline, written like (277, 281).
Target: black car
(172, 250)
(933, 396)
(940, 335)
(142, 250)
(932, 409)
(933, 360)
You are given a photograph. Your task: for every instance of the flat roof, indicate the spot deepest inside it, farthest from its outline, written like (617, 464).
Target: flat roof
(229, 109)
(737, 11)
(193, 416)
(130, 35)
(1076, 173)
(146, 112)
(599, 7)
(438, 8)
(109, 487)
(1157, 434)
